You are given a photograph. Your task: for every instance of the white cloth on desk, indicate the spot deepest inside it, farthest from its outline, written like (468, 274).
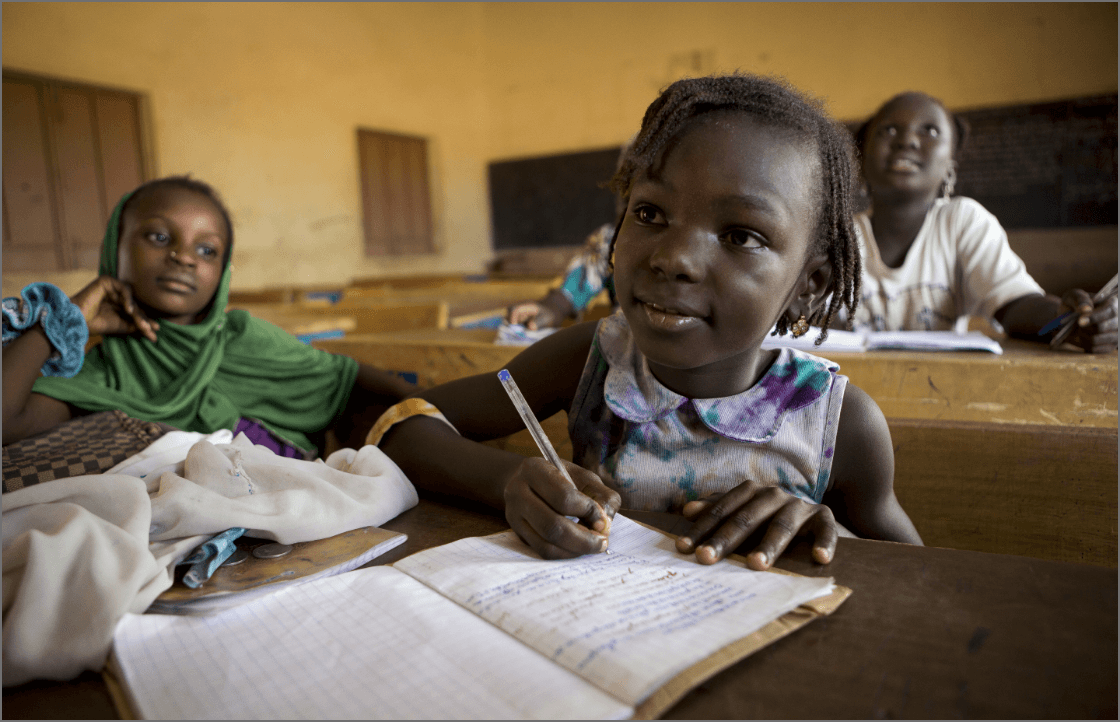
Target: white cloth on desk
(81, 552)
(960, 264)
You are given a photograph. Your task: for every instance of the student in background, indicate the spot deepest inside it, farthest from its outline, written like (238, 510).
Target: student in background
(738, 219)
(586, 276)
(170, 352)
(929, 257)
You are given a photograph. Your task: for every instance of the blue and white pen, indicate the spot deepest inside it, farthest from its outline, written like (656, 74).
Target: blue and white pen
(536, 431)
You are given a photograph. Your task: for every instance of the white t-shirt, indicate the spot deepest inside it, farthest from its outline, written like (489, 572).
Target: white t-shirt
(960, 265)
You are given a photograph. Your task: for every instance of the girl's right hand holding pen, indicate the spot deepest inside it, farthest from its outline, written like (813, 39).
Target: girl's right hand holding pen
(1095, 329)
(538, 500)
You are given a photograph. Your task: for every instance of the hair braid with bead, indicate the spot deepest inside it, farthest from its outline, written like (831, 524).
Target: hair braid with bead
(774, 103)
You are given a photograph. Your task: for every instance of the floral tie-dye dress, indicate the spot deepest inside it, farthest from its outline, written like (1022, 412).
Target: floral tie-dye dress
(659, 449)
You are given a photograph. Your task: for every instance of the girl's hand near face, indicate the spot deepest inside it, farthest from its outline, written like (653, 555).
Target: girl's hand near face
(1096, 325)
(539, 500)
(109, 308)
(721, 523)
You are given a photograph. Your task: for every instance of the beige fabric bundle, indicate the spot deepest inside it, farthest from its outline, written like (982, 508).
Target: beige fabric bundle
(81, 552)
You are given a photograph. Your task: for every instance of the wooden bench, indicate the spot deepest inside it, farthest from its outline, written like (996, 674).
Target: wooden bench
(1028, 384)
(282, 295)
(1038, 491)
(298, 318)
(395, 283)
(1064, 258)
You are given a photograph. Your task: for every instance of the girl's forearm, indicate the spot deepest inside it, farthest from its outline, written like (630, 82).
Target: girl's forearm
(381, 385)
(23, 358)
(437, 459)
(1026, 315)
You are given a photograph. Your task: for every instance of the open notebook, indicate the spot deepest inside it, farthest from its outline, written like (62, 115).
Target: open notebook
(480, 628)
(855, 341)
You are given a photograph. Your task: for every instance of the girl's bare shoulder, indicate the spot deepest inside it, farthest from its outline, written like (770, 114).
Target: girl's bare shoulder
(864, 455)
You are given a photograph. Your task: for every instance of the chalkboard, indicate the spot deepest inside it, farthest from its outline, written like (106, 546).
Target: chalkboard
(552, 200)
(1043, 165)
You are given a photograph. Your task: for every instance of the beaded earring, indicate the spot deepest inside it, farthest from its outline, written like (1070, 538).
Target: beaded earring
(949, 185)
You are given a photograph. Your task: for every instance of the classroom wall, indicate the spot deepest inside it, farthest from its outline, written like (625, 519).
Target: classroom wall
(566, 77)
(263, 100)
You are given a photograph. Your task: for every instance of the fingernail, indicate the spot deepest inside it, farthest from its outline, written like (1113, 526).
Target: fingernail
(684, 541)
(1083, 321)
(761, 559)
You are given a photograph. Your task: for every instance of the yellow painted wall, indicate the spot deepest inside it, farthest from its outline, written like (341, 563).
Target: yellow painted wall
(263, 100)
(571, 76)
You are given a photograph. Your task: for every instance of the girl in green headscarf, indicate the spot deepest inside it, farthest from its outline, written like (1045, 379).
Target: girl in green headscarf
(172, 353)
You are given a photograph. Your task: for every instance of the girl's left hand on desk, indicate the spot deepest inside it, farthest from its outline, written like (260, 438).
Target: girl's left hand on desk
(721, 524)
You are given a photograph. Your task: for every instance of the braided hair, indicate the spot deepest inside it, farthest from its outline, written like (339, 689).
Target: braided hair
(774, 103)
(184, 182)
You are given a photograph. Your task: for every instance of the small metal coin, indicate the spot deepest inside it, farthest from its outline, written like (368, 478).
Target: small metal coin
(237, 557)
(271, 551)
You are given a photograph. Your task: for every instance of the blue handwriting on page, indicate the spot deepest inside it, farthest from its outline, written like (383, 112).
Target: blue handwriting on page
(626, 621)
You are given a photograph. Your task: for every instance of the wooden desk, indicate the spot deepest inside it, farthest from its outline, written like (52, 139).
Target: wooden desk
(299, 318)
(495, 293)
(1028, 384)
(928, 633)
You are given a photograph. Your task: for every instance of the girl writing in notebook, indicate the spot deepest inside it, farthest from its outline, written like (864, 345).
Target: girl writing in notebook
(930, 257)
(170, 352)
(738, 218)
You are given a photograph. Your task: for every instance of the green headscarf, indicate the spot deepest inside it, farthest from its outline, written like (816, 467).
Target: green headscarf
(206, 376)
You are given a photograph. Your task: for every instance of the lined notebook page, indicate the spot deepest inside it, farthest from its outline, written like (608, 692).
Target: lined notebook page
(628, 620)
(370, 644)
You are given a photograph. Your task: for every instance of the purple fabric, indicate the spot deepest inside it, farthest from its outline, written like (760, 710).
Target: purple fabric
(261, 436)
(795, 380)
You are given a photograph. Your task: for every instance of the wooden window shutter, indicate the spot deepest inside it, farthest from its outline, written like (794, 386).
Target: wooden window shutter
(70, 152)
(396, 208)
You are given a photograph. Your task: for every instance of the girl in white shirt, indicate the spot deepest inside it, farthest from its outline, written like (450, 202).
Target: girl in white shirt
(929, 258)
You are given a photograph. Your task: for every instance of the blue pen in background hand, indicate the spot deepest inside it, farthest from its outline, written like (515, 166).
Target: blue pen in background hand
(540, 437)
(1068, 320)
